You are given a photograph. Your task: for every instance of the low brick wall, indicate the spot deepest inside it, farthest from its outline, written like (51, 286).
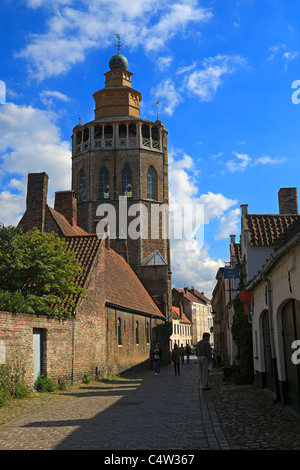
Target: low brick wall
(16, 339)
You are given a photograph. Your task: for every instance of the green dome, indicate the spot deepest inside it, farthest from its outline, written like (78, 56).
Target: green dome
(118, 61)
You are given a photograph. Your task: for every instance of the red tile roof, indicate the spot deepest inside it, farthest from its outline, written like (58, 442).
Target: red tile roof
(193, 296)
(124, 289)
(237, 253)
(268, 229)
(176, 315)
(66, 228)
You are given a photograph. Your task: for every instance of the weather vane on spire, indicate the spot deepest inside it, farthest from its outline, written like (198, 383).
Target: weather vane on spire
(119, 43)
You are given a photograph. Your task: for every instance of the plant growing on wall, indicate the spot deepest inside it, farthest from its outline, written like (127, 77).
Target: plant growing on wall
(38, 274)
(242, 335)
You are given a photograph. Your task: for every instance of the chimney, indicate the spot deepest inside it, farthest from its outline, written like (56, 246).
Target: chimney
(180, 310)
(244, 208)
(36, 201)
(288, 201)
(66, 204)
(232, 238)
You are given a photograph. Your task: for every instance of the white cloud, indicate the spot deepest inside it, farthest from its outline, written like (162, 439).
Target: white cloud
(286, 56)
(191, 263)
(229, 224)
(168, 95)
(243, 160)
(75, 27)
(48, 96)
(164, 63)
(29, 142)
(205, 82)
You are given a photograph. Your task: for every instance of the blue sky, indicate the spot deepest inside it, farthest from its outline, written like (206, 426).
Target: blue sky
(222, 70)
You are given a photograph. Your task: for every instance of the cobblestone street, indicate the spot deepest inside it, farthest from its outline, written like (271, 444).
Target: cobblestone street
(165, 412)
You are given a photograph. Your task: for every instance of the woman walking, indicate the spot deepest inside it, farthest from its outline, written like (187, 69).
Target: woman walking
(175, 358)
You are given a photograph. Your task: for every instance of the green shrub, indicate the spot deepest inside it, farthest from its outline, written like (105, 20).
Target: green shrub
(44, 384)
(21, 391)
(87, 378)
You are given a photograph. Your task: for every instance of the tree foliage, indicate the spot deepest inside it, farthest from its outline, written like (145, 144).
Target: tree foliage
(37, 273)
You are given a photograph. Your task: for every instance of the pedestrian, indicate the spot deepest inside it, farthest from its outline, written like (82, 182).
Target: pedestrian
(182, 353)
(157, 353)
(188, 353)
(175, 358)
(204, 354)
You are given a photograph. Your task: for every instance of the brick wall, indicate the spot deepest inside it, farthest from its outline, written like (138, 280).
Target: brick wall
(130, 355)
(16, 333)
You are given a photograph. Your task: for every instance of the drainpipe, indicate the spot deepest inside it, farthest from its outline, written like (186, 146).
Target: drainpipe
(271, 329)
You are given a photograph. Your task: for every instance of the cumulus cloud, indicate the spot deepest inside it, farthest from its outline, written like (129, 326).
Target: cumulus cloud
(168, 95)
(205, 82)
(29, 139)
(191, 261)
(74, 28)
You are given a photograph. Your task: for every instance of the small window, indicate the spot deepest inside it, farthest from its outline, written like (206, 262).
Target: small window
(82, 187)
(126, 189)
(137, 332)
(151, 183)
(148, 332)
(119, 332)
(103, 184)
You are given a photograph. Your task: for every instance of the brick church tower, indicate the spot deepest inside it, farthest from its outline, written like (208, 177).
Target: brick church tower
(121, 160)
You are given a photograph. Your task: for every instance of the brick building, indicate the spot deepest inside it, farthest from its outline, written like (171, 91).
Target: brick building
(118, 159)
(112, 330)
(120, 169)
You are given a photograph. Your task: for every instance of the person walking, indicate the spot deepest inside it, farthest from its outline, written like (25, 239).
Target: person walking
(157, 353)
(175, 358)
(182, 353)
(188, 353)
(204, 354)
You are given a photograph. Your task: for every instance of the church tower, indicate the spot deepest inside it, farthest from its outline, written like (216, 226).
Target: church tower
(121, 160)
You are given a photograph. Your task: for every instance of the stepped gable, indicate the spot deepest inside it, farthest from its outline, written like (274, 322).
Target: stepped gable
(266, 230)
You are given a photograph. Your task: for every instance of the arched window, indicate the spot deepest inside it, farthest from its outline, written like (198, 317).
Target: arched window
(151, 183)
(82, 187)
(126, 189)
(137, 332)
(119, 332)
(103, 184)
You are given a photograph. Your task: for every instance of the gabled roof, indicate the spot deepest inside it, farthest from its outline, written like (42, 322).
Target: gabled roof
(66, 228)
(193, 295)
(176, 315)
(268, 230)
(124, 289)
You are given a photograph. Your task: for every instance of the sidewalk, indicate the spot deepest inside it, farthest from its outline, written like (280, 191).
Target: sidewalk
(165, 412)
